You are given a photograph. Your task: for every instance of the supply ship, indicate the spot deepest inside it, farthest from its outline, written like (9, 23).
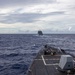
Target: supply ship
(52, 61)
(40, 32)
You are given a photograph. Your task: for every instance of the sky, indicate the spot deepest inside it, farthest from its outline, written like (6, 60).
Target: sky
(29, 16)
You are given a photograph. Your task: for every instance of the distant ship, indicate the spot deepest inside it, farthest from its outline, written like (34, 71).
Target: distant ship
(40, 32)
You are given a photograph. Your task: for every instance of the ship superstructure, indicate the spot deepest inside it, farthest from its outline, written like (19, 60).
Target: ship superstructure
(40, 32)
(52, 61)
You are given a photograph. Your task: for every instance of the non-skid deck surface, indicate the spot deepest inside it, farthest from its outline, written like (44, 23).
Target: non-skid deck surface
(45, 65)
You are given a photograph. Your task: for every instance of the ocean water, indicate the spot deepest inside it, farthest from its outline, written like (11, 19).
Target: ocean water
(17, 51)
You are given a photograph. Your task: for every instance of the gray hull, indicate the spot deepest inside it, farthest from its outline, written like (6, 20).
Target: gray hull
(46, 64)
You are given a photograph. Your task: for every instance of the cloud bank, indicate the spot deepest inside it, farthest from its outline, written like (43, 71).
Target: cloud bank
(32, 15)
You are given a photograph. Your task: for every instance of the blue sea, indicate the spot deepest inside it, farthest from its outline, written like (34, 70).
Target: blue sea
(17, 51)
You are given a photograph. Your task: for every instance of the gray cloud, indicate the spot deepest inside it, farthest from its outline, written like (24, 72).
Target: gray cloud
(6, 3)
(25, 17)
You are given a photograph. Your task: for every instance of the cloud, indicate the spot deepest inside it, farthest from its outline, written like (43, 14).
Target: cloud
(8, 30)
(48, 15)
(7, 3)
(25, 17)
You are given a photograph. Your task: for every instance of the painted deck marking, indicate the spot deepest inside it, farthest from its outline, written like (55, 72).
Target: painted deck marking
(52, 64)
(43, 60)
(47, 64)
(46, 59)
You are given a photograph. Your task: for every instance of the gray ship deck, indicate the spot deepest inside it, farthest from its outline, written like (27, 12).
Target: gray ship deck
(45, 65)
